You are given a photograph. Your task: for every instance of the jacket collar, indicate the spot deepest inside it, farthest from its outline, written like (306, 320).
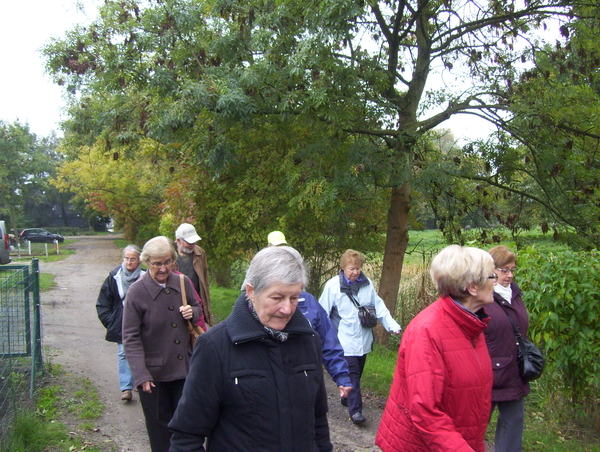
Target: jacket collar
(243, 327)
(355, 287)
(471, 324)
(154, 289)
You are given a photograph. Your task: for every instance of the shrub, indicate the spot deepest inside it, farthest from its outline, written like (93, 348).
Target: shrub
(563, 300)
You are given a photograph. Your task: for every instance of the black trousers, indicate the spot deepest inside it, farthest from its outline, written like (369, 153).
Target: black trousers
(159, 407)
(356, 365)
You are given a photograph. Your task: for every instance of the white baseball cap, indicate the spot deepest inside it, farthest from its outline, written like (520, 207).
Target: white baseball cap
(187, 232)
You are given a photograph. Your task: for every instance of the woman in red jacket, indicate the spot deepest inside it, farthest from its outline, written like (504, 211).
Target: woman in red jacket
(441, 394)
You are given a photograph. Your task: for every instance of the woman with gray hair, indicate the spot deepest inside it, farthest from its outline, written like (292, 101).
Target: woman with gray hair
(441, 393)
(256, 381)
(156, 337)
(110, 310)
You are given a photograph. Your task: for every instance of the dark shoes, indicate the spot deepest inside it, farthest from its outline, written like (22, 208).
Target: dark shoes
(127, 395)
(344, 401)
(358, 418)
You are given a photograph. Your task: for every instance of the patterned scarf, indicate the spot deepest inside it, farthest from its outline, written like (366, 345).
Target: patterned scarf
(275, 334)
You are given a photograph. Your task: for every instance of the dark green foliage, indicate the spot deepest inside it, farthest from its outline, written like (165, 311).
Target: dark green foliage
(561, 294)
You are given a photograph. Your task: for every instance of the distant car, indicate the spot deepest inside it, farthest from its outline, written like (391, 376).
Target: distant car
(4, 245)
(38, 235)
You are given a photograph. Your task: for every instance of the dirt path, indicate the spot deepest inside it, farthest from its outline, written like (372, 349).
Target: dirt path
(75, 338)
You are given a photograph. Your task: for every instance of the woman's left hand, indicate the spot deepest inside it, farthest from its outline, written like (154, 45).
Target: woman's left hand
(186, 312)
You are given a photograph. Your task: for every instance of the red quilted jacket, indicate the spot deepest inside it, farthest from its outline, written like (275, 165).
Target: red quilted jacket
(441, 394)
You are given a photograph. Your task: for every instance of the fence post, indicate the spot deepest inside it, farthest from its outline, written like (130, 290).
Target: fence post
(37, 363)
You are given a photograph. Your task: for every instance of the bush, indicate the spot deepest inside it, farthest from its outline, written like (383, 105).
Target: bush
(561, 293)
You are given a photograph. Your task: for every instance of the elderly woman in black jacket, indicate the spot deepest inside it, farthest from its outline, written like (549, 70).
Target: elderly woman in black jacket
(509, 389)
(157, 339)
(256, 381)
(110, 309)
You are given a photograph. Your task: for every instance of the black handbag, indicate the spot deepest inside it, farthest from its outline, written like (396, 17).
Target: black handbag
(529, 357)
(366, 314)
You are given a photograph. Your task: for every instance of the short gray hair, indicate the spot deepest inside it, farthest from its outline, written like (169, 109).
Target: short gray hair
(134, 248)
(158, 246)
(276, 265)
(456, 266)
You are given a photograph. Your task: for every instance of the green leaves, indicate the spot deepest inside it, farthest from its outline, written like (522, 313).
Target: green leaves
(561, 294)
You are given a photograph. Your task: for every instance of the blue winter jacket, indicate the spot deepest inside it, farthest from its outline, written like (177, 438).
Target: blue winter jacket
(333, 353)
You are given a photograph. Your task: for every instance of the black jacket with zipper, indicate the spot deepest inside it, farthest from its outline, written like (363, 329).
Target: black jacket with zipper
(246, 392)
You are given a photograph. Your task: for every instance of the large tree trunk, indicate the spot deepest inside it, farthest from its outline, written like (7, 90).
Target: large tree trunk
(395, 248)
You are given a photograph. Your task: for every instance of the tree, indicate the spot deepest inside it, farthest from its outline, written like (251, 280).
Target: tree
(363, 67)
(26, 164)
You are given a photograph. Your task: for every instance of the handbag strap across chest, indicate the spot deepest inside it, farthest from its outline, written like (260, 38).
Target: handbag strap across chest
(512, 322)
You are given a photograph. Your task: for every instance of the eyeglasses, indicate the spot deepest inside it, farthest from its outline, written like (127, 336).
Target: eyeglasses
(494, 276)
(131, 259)
(161, 264)
(508, 270)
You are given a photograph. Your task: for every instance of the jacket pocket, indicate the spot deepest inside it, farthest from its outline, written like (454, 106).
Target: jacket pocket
(248, 374)
(502, 371)
(309, 367)
(153, 361)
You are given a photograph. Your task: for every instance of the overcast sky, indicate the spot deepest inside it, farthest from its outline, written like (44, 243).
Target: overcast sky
(28, 95)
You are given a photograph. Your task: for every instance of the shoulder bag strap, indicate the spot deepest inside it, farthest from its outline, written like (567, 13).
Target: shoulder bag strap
(182, 285)
(512, 322)
(356, 303)
(184, 302)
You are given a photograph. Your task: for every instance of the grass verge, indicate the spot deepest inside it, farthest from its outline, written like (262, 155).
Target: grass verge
(55, 423)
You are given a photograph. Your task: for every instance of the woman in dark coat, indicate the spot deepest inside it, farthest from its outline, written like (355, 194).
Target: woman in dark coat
(509, 389)
(256, 380)
(157, 339)
(110, 309)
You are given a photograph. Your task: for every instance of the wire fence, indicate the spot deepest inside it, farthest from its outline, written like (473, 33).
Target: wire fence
(21, 360)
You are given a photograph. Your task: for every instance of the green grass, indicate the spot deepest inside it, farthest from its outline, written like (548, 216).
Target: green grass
(47, 281)
(379, 370)
(85, 403)
(38, 429)
(222, 301)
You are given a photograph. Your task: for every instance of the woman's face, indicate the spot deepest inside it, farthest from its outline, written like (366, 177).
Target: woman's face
(276, 304)
(352, 271)
(506, 274)
(131, 259)
(485, 293)
(160, 267)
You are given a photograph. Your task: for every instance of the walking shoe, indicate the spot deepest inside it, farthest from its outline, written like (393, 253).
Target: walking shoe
(126, 395)
(358, 418)
(344, 401)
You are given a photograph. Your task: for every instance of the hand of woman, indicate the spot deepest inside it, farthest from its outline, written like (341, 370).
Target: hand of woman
(147, 386)
(186, 312)
(344, 391)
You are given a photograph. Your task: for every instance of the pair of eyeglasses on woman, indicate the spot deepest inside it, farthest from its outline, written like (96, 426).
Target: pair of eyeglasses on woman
(507, 270)
(494, 276)
(161, 264)
(131, 259)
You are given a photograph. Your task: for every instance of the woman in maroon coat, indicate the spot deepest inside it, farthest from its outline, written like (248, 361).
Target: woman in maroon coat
(509, 389)
(157, 339)
(441, 393)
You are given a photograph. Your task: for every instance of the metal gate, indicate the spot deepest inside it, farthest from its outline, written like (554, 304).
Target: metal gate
(20, 338)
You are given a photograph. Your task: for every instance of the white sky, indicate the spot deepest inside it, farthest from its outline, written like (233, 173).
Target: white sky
(27, 94)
